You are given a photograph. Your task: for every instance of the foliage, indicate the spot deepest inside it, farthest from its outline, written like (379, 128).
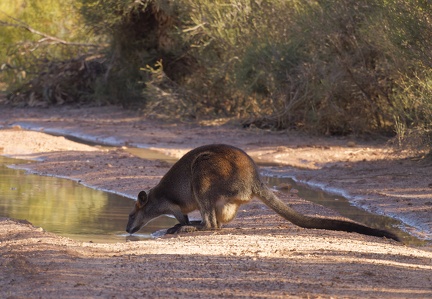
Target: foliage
(333, 67)
(409, 32)
(33, 32)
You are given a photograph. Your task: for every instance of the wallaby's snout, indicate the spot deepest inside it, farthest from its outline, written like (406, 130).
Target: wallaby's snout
(136, 216)
(130, 228)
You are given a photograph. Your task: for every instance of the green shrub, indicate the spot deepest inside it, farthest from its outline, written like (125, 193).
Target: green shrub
(35, 36)
(333, 67)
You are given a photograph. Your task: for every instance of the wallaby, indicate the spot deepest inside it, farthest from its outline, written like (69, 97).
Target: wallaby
(216, 179)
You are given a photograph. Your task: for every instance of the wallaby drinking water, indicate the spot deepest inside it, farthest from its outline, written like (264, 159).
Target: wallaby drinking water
(216, 179)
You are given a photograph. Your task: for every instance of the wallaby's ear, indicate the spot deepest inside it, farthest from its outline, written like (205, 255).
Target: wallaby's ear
(142, 199)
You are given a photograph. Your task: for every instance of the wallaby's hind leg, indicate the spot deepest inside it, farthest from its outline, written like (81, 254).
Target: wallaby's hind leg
(205, 192)
(225, 211)
(208, 222)
(208, 215)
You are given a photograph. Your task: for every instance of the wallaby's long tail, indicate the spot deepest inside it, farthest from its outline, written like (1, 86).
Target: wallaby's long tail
(271, 200)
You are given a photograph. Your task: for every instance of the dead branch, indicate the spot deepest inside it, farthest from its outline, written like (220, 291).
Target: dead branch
(45, 37)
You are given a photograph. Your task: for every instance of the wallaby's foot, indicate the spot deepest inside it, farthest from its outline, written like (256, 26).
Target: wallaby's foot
(178, 228)
(191, 226)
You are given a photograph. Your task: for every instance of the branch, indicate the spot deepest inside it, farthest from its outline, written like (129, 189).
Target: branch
(45, 37)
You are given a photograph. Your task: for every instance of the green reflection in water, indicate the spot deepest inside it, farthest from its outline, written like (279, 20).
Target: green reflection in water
(66, 207)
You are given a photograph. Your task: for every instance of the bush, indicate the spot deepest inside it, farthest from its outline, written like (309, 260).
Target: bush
(36, 36)
(333, 67)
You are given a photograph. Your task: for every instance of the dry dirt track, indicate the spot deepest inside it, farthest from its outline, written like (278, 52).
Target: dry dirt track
(257, 255)
(234, 263)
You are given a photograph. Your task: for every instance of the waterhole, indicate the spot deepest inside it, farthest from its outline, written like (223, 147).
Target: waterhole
(66, 207)
(70, 209)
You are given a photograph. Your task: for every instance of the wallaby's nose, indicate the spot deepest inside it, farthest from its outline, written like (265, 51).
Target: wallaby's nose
(132, 230)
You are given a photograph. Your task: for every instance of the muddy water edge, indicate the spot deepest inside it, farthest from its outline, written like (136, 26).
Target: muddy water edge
(72, 210)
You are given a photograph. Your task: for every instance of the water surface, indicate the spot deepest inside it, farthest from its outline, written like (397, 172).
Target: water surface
(66, 207)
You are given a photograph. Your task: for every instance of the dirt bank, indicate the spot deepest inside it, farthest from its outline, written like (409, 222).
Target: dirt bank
(257, 255)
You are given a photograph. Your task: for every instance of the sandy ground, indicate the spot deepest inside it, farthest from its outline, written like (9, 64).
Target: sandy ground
(257, 255)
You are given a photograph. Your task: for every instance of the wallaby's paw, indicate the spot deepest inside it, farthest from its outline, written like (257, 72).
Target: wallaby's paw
(178, 228)
(174, 229)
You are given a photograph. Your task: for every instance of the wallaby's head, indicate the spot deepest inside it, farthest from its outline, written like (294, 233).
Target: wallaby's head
(142, 213)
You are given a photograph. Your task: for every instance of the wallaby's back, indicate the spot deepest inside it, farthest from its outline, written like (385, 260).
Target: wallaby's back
(227, 167)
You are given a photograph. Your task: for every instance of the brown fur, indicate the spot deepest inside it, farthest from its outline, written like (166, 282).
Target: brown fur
(216, 179)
